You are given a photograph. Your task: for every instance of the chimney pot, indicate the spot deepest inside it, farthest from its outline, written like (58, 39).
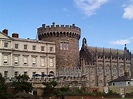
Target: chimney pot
(15, 35)
(5, 31)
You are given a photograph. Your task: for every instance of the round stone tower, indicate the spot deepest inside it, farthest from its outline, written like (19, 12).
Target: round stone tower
(66, 38)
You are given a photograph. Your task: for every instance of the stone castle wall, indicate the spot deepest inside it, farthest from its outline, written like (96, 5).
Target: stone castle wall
(68, 36)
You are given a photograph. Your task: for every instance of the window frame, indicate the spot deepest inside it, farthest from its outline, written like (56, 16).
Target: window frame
(16, 46)
(25, 46)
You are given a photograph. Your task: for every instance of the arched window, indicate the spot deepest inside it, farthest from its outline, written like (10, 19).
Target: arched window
(107, 70)
(114, 71)
(51, 73)
(121, 70)
(100, 70)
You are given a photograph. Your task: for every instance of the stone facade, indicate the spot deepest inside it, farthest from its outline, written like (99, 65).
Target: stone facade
(102, 65)
(25, 56)
(66, 39)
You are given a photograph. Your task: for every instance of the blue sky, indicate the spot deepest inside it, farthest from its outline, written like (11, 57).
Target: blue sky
(104, 23)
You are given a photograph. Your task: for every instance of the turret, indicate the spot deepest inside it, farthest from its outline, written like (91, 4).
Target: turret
(66, 38)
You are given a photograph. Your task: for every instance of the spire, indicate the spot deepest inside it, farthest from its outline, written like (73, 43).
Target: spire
(84, 42)
(125, 48)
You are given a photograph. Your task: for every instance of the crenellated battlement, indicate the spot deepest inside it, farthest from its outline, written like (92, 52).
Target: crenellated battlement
(66, 38)
(59, 30)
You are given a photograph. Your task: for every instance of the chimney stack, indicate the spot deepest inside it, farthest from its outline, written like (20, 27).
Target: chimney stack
(15, 35)
(5, 31)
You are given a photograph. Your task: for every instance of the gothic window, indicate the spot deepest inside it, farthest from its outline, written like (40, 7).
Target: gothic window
(114, 71)
(100, 70)
(121, 70)
(128, 68)
(92, 71)
(107, 71)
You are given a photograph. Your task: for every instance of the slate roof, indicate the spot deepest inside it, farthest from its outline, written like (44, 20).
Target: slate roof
(108, 52)
(122, 78)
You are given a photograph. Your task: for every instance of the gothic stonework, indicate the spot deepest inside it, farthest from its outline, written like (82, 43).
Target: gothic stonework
(102, 65)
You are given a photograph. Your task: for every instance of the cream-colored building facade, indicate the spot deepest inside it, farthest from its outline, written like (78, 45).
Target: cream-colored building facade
(25, 56)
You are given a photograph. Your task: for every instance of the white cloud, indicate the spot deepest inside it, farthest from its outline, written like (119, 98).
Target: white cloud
(128, 12)
(122, 41)
(90, 6)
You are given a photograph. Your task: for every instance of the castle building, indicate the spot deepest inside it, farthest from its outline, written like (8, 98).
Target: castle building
(57, 52)
(25, 56)
(66, 39)
(101, 65)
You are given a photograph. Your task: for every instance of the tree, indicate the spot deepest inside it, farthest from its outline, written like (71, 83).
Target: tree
(21, 83)
(49, 88)
(4, 94)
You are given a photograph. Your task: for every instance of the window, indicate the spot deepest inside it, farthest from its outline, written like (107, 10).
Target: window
(92, 71)
(42, 61)
(42, 74)
(107, 71)
(51, 48)
(33, 47)
(33, 60)
(16, 46)
(33, 74)
(25, 73)
(51, 73)
(15, 73)
(25, 46)
(25, 60)
(63, 45)
(16, 60)
(5, 59)
(121, 70)
(6, 44)
(51, 61)
(114, 71)
(42, 48)
(100, 70)
(5, 74)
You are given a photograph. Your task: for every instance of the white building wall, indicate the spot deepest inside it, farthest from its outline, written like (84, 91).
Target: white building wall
(29, 52)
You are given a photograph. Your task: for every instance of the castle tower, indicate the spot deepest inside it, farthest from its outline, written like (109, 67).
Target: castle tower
(66, 38)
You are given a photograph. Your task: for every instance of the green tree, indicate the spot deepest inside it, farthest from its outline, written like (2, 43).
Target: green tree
(4, 94)
(21, 83)
(49, 88)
